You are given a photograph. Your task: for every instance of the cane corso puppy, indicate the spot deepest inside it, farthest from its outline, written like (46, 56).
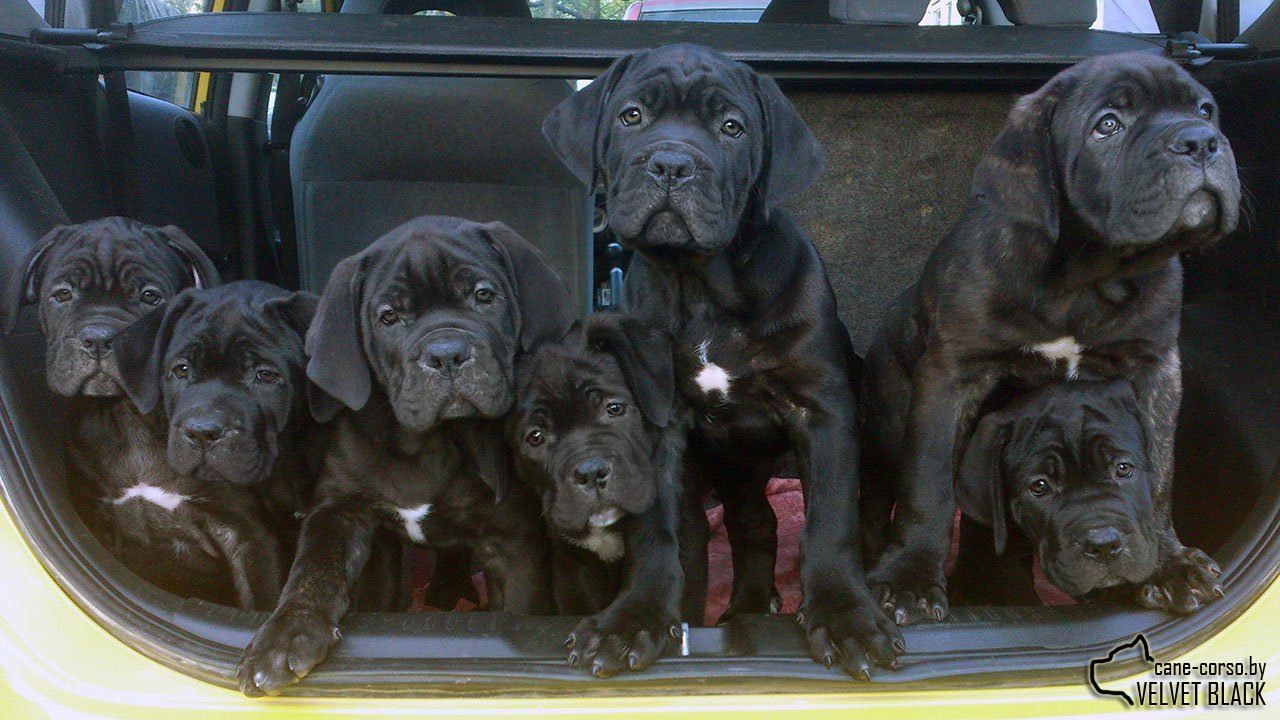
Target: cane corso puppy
(412, 354)
(1062, 473)
(207, 486)
(696, 153)
(1065, 265)
(591, 422)
(91, 281)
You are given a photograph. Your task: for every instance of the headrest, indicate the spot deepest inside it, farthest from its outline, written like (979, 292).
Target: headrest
(1068, 13)
(462, 8)
(877, 12)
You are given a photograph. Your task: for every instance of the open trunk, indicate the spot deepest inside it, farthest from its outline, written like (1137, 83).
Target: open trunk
(903, 114)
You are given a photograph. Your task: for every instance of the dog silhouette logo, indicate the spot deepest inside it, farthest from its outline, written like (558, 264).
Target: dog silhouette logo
(1139, 641)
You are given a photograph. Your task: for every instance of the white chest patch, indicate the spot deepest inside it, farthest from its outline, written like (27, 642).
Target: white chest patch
(711, 378)
(1064, 349)
(412, 518)
(155, 495)
(608, 544)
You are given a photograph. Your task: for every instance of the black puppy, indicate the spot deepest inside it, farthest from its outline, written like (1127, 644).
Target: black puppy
(412, 354)
(206, 488)
(591, 422)
(1062, 472)
(696, 153)
(90, 282)
(1064, 265)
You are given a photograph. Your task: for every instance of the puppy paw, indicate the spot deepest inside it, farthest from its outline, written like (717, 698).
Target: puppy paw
(285, 649)
(847, 628)
(1185, 582)
(909, 590)
(609, 643)
(771, 604)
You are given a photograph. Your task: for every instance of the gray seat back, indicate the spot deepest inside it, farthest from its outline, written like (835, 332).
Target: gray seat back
(374, 151)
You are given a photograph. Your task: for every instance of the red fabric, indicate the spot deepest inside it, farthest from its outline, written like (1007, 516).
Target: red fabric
(787, 499)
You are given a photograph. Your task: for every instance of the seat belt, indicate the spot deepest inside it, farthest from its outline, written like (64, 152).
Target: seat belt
(118, 157)
(293, 95)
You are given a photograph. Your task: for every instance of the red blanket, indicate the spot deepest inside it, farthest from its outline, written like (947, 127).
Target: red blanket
(788, 504)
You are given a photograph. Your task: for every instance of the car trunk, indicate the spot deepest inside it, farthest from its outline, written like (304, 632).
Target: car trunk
(903, 120)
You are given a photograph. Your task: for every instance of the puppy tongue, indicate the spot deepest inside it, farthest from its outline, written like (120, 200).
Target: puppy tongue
(605, 517)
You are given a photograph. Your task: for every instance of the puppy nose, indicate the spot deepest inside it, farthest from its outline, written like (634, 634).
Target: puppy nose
(1198, 142)
(203, 432)
(1102, 543)
(447, 355)
(669, 168)
(95, 340)
(594, 472)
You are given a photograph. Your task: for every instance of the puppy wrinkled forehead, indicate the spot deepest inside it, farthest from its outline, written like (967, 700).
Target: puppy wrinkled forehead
(686, 74)
(429, 265)
(1142, 82)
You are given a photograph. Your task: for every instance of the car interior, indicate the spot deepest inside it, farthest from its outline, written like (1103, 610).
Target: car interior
(310, 133)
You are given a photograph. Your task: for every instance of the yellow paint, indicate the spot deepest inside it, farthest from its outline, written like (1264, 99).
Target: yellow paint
(204, 79)
(56, 662)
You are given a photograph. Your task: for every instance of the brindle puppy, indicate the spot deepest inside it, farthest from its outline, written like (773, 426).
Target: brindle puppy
(1065, 265)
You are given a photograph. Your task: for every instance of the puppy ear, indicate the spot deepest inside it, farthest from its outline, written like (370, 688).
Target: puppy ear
(485, 444)
(337, 367)
(1018, 174)
(644, 352)
(24, 284)
(296, 309)
(542, 308)
(980, 485)
(576, 128)
(203, 273)
(792, 159)
(141, 347)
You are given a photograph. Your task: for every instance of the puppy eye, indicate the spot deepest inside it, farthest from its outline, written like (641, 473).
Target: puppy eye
(631, 116)
(732, 128)
(62, 295)
(1109, 125)
(1124, 470)
(1206, 111)
(150, 296)
(389, 317)
(484, 295)
(1039, 487)
(181, 370)
(614, 409)
(267, 375)
(535, 438)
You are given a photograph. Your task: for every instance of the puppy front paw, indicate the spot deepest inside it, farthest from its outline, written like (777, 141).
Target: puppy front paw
(910, 587)
(611, 642)
(287, 646)
(846, 627)
(1183, 584)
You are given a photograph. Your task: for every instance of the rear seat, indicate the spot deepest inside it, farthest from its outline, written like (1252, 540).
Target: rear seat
(372, 152)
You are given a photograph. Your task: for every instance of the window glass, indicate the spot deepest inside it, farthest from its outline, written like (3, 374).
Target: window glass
(1131, 16)
(175, 87)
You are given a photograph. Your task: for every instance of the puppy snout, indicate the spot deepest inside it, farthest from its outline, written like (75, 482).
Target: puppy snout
(203, 432)
(447, 355)
(1103, 543)
(95, 340)
(1198, 142)
(593, 473)
(670, 168)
